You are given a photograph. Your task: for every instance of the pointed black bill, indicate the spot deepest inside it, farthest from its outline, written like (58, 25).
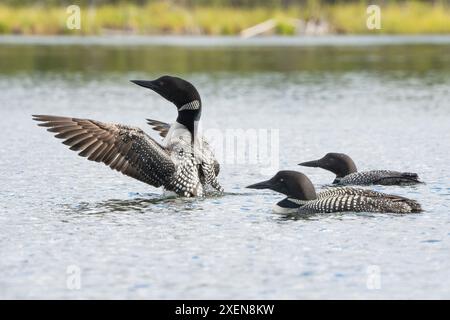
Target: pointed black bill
(313, 163)
(145, 84)
(261, 185)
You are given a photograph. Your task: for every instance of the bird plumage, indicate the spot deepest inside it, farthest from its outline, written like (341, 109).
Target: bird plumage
(342, 199)
(210, 167)
(380, 177)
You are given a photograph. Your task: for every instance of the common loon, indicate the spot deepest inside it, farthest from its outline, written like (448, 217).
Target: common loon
(302, 197)
(346, 173)
(183, 163)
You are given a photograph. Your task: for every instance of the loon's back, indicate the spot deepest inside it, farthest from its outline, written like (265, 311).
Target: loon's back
(342, 199)
(380, 177)
(347, 174)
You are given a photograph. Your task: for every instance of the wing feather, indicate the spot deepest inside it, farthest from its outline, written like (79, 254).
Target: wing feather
(125, 149)
(161, 127)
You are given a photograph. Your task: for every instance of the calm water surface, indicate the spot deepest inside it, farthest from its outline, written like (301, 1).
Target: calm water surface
(386, 105)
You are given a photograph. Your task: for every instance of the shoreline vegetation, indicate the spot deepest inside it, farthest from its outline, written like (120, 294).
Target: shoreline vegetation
(172, 18)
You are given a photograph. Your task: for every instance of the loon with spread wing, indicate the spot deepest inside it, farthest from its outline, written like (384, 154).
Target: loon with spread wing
(183, 163)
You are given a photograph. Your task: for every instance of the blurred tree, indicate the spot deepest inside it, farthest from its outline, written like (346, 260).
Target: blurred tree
(234, 3)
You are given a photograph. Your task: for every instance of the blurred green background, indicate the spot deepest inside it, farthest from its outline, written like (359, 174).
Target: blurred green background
(223, 17)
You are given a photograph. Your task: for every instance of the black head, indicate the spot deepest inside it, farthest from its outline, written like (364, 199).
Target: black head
(291, 183)
(181, 93)
(338, 163)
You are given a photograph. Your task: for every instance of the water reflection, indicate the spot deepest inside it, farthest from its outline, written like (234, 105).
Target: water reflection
(159, 59)
(139, 204)
(335, 216)
(142, 203)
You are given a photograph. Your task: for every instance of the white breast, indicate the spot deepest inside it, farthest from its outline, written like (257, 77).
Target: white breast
(176, 131)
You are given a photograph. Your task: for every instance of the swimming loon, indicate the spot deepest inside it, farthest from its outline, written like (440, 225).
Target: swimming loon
(346, 174)
(302, 197)
(183, 163)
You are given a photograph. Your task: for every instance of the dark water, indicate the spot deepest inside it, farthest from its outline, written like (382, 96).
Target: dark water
(386, 105)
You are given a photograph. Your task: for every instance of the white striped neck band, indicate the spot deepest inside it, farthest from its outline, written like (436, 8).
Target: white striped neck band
(193, 105)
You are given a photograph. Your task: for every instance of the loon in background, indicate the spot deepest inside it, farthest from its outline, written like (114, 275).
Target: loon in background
(302, 197)
(346, 173)
(183, 163)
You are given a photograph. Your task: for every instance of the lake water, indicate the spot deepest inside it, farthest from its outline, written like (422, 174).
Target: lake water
(384, 103)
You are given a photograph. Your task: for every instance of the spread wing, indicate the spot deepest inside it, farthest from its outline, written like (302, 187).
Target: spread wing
(163, 129)
(122, 148)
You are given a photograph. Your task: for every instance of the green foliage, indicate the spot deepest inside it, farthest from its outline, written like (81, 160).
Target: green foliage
(219, 17)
